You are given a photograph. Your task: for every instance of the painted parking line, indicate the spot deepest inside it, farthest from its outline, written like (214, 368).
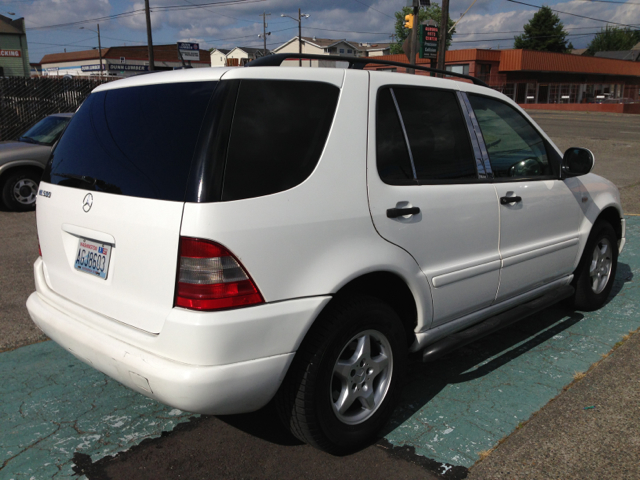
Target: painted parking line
(463, 404)
(53, 406)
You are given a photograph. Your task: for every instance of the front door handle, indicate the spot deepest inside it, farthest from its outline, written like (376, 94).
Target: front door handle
(400, 212)
(508, 200)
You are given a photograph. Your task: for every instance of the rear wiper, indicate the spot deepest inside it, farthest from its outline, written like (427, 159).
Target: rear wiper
(94, 182)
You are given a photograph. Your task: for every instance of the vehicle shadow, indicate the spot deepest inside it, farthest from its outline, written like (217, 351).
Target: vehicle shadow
(426, 380)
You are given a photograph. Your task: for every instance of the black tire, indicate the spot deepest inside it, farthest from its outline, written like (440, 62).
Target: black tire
(19, 190)
(307, 398)
(592, 290)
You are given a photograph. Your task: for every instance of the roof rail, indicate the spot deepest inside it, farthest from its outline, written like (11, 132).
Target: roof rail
(276, 60)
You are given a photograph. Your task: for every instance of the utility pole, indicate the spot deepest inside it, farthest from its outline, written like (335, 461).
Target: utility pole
(444, 26)
(149, 39)
(414, 35)
(299, 37)
(100, 50)
(264, 32)
(299, 20)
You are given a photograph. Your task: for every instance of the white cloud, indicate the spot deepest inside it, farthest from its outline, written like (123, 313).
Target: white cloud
(53, 12)
(489, 26)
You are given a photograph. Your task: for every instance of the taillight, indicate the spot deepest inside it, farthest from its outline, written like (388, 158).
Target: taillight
(211, 278)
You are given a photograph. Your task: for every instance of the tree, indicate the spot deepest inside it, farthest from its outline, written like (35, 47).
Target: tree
(613, 39)
(433, 12)
(544, 32)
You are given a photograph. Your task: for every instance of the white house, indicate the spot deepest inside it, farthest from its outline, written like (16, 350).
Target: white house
(317, 46)
(241, 55)
(219, 57)
(374, 49)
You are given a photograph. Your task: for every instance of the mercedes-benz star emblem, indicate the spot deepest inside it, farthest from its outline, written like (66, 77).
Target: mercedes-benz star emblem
(87, 203)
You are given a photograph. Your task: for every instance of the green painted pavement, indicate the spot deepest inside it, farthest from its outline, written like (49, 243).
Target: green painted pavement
(463, 404)
(52, 406)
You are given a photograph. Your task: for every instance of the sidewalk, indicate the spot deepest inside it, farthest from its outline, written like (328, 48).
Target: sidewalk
(567, 439)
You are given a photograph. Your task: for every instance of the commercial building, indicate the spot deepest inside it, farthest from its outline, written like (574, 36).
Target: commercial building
(118, 61)
(548, 80)
(14, 53)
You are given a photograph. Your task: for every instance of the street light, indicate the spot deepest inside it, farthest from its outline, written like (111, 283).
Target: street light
(299, 20)
(99, 44)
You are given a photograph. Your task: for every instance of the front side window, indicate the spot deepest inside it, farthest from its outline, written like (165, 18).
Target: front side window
(342, 50)
(438, 143)
(515, 148)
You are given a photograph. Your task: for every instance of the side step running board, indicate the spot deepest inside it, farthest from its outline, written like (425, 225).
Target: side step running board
(493, 324)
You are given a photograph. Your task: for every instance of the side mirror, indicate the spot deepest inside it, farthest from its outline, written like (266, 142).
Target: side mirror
(577, 161)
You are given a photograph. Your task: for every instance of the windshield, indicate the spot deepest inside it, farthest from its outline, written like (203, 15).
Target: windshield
(135, 141)
(46, 131)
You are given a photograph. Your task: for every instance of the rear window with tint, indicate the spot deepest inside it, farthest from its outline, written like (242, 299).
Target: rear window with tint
(279, 131)
(136, 141)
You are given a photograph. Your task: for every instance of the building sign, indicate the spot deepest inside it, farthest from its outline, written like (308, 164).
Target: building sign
(428, 39)
(189, 51)
(10, 53)
(129, 68)
(91, 68)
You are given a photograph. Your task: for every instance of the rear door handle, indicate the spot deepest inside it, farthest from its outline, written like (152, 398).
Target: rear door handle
(400, 212)
(508, 200)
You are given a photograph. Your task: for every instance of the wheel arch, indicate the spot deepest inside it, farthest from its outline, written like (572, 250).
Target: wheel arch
(612, 216)
(390, 288)
(11, 167)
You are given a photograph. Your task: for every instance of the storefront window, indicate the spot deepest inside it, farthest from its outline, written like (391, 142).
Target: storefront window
(464, 69)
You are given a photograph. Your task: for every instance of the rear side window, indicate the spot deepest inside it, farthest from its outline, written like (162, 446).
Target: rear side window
(136, 141)
(278, 133)
(394, 165)
(438, 141)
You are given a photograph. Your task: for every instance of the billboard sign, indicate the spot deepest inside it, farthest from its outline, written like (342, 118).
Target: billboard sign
(189, 51)
(428, 39)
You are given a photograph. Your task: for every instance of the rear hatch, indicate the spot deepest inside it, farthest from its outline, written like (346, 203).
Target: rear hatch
(111, 199)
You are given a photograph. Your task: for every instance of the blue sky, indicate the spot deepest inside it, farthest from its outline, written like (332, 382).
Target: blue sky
(489, 23)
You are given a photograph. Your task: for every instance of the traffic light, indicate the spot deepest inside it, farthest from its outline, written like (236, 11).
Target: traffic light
(408, 21)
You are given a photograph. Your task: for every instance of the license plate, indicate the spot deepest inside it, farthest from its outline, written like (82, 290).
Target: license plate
(93, 257)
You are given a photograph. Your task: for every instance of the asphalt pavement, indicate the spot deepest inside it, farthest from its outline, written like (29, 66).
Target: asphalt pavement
(614, 139)
(504, 407)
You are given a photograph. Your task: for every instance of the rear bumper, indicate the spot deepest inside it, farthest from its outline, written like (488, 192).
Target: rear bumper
(224, 388)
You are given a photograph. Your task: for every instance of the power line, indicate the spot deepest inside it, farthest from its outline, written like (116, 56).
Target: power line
(374, 9)
(572, 14)
(141, 10)
(606, 1)
(245, 36)
(522, 31)
(346, 31)
(511, 38)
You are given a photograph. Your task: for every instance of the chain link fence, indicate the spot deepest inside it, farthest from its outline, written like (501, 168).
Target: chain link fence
(26, 101)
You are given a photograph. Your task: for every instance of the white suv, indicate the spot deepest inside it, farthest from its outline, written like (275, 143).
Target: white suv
(217, 238)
